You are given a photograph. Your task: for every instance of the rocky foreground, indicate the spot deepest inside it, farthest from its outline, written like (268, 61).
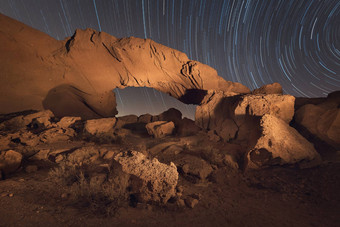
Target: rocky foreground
(251, 159)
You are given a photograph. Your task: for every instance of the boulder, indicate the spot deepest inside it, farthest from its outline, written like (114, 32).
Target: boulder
(274, 88)
(145, 118)
(279, 144)
(193, 168)
(35, 120)
(10, 161)
(100, 126)
(126, 120)
(322, 120)
(160, 129)
(171, 114)
(233, 117)
(151, 181)
(66, 122)
(187, 127)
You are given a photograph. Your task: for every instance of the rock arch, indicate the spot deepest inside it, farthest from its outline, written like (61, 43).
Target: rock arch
(76, 76)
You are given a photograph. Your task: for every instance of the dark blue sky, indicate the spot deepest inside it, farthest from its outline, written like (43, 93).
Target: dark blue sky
(254, 42)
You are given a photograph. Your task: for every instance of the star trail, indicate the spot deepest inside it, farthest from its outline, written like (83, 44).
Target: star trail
(254, 42)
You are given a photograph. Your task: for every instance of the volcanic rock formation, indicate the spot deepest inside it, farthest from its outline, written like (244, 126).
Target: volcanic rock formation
(75, 77)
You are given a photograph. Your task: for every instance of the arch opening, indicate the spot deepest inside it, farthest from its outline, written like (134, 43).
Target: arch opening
(142, 100)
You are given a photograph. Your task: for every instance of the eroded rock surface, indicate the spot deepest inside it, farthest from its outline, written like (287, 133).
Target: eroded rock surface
(322, 120)
(160, 129)
(150, 180)
(10, 161)
(279, 144)
(76, 76)
(233, 117)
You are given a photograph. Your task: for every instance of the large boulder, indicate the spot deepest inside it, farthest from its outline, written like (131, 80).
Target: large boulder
(171, 114)
(279, 144)
(234, 117)
(187, 127)
(160, 129)
(10, 161)
(322, 120)
(76, 76)
(150, 181)
(100, 126)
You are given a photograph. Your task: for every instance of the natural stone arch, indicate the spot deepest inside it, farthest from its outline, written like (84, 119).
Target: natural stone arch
(88, 66)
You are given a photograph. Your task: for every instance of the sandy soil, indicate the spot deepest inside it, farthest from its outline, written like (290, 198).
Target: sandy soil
(280, 196)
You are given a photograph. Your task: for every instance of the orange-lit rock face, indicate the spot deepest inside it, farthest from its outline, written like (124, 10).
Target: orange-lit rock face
(76, 76)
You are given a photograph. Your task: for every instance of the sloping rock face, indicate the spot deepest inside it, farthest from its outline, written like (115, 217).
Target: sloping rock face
(279, 144)
(151, 180)
(236, 117)
(75, 77)
(322, 120)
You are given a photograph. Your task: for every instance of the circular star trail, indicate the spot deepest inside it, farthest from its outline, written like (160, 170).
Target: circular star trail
(254, 42)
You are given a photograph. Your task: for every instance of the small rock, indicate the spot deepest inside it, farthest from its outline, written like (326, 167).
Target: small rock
(4, 194)
(31, 168)
(64, 196)
(191, 202)
(180, 203)
(109, 155)
(230, 162)
(10, 195)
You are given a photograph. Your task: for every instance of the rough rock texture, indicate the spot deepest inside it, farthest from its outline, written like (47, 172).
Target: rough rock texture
(193, 168)
(279, 144)
(160, 129)
(187, 127)
(100, 126)
(66, 122)
(126, 120)
(150, 180)
(171, 114)
(75, 77)
(39, 119)
(233, 117)
(274, 88)
(322, 120)
(10, 161)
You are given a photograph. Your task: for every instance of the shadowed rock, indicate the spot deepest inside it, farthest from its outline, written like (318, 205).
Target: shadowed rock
(322, 120)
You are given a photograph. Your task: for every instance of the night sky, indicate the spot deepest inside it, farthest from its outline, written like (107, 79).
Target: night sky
(254, 42)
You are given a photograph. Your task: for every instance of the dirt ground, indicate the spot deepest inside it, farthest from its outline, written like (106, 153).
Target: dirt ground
(280, 196)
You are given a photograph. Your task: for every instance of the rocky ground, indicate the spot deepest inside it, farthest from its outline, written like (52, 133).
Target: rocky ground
(148, 171)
